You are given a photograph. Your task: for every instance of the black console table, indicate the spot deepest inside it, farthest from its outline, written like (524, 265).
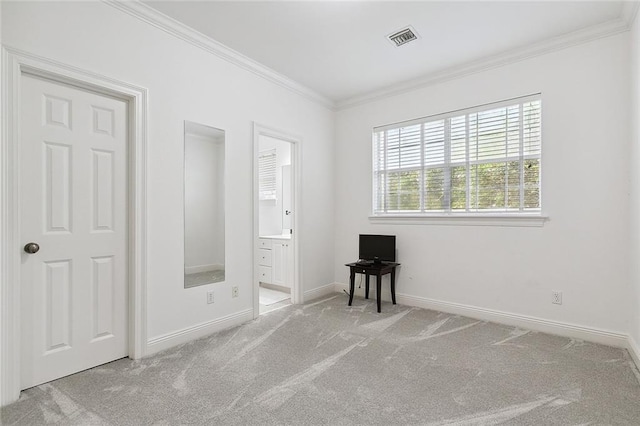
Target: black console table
(377, 269)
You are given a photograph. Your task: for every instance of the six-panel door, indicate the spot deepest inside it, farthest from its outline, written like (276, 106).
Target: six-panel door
(73, 185)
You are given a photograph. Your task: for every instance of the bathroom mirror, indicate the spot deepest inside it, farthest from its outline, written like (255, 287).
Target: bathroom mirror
(204, 189)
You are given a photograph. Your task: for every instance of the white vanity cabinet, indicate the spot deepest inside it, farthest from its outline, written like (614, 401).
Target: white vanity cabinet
(279, 264)
(274, 261)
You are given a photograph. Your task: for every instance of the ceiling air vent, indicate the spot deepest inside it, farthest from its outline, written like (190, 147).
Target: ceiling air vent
(403, 36)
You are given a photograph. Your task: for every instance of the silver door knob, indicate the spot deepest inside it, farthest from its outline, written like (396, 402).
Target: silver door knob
(31, 248)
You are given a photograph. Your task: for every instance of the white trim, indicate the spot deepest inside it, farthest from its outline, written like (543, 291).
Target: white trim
(15, 63)
(297, 297)
(179, 30)
(590, 334)
(634, 351)
(594, 32)
(197, 331)
(462, 220)
(203, 268)
(595, 335)
(319, 292)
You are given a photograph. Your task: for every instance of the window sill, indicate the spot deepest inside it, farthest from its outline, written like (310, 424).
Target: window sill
(515, 220)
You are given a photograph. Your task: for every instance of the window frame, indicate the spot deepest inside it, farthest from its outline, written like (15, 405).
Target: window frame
(500, 217)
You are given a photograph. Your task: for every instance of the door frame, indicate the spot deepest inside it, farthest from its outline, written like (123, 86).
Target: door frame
(297, 295)
(15, 63)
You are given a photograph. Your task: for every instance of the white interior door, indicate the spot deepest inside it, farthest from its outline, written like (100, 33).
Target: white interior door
(73, 205)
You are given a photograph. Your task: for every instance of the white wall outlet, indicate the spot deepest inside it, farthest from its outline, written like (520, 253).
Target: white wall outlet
(556, 297)
(210, 297)
(234, 291)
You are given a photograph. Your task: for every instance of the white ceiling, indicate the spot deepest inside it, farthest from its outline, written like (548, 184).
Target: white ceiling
(340, 50)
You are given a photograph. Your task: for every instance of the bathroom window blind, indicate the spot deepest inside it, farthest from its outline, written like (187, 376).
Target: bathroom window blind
(267, 174)
(475, 161)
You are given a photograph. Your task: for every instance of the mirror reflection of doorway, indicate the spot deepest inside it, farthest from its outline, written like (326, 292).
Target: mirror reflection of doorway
(204, 213)
(275, 223)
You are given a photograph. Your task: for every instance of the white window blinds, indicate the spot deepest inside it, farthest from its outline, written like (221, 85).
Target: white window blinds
(267, 174)
(481, 160)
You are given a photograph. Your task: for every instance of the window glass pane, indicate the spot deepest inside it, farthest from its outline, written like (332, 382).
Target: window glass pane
(434, 189)
(490, 128)
(378, 151)
(403, 147)
(531, 128)
(379, 193)
(404, 191)
(488, 185)
(513, 131)
(480, 161)
(513, 184)
(458, 188)
(532, 184)
(458, 139)
(434, 143)
(393, 149)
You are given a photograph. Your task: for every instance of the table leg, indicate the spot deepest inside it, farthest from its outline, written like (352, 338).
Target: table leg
(352, 286)
(393, 285)
(366, 286)
(378, 289)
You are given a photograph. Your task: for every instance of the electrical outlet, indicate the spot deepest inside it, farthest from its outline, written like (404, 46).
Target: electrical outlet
(556, 297)
(210, 297)
(234, 291)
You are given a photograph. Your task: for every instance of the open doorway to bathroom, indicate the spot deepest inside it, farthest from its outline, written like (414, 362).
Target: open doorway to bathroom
(275, 195)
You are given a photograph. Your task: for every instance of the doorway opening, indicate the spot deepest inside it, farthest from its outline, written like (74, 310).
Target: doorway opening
(276, 240)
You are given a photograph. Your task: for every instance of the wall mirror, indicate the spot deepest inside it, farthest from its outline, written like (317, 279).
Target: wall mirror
(204, 189)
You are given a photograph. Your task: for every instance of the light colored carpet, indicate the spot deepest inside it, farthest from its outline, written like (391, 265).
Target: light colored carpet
(270, 296)
(327, 363)
(202, 278)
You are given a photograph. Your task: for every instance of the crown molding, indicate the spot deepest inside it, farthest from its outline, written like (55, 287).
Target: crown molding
(177, 29)
(605, 29)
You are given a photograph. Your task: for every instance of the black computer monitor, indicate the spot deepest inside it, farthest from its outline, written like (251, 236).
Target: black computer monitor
(378, 248)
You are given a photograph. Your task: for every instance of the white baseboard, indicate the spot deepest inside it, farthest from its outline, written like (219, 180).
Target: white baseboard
(319, 292)
(589, 334)
(634, 351)
(202, 268)
(166, 341)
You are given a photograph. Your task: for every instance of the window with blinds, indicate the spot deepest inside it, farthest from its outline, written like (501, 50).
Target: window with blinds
(479, 160)
(267, 174)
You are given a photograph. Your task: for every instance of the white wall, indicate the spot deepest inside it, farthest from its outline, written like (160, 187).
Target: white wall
(270, 220)
(204, 202)
(186, 83)
(634, 162)
(581, 251)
